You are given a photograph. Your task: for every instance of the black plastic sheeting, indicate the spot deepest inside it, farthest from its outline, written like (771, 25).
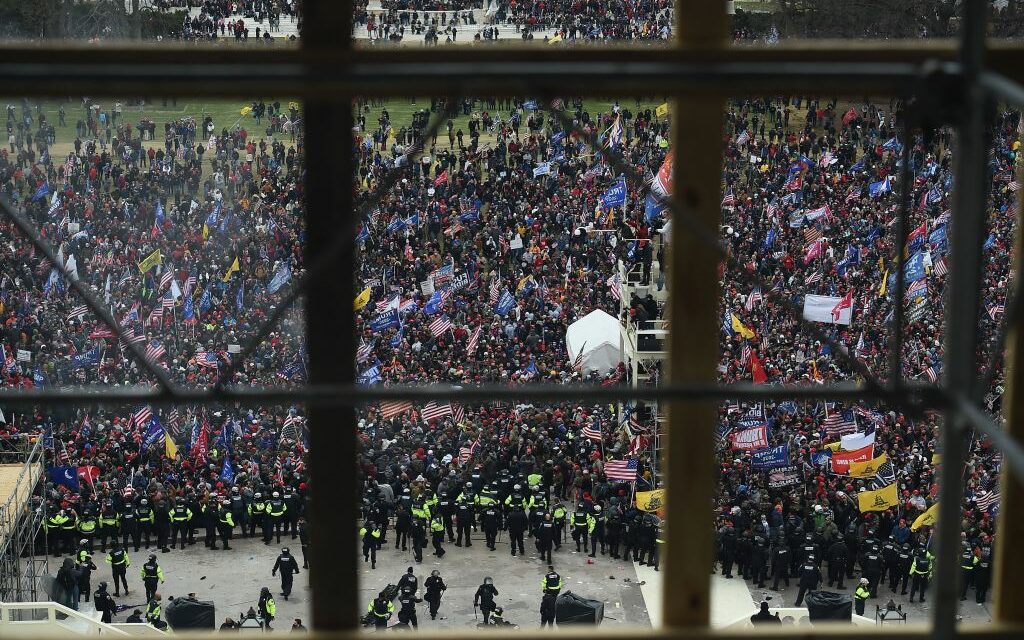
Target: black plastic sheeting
(574, 609)
(828, 605)
(190, 614)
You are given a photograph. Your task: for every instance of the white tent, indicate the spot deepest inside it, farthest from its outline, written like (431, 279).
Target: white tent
(597, 336)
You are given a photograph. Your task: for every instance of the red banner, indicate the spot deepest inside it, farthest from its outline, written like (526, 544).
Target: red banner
(841, 459)
(748, 439)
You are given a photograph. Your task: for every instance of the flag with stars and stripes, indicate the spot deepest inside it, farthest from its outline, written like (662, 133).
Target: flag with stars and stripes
(474, 339)
(621, 470)
(391, 409)
(78, 312)
(458, 413)
(440, 325)
(433, 411)
(754, 298)
(141, 418)
(592, 432)
(155, 350)
(614, 283)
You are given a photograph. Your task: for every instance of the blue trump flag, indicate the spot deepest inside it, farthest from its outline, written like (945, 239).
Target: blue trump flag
(770, 458)
(384, 320)
(227, 472)
(653, 208)
(154, 435)
(283, 275)
(90, 358)
(505, 303)
(240, 298)
(205, 301)
(915, 268)
(615, 196)
(876, 189)
(41, 192)
(67, 476)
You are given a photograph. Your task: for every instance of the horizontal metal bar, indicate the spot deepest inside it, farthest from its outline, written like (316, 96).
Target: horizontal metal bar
(915, 397)
(1012, 451)
(1002, 87)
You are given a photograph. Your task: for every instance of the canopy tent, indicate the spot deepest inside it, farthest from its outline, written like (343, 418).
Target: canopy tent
(596, 335)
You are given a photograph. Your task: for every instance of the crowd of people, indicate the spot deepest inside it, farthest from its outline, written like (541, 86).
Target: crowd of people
(479, 247)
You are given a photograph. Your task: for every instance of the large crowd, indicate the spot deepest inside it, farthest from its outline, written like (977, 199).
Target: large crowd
(482, 242)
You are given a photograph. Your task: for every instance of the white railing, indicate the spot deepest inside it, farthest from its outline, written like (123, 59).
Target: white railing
(47, 618)
(800, 619)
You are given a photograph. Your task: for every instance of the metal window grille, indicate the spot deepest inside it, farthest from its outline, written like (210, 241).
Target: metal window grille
(699, 71)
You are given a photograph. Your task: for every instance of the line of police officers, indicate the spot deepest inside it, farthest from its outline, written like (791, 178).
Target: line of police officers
(134, 520)
(787, 552)
(517, 505)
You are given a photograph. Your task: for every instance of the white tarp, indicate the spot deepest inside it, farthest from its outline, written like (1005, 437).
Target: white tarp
(819, 309)
(597, 336)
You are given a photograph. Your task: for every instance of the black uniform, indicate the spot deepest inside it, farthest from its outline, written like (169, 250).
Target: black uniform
(435, 587)
(464, 516)
(104, 604)
(484, 597)
(810, 578)
(516, 527)
(407, 614)
(548, 609)
(780, 565)
(288, 567)
(837, 559)
(491, 521)
(545, 539)
(983, 575)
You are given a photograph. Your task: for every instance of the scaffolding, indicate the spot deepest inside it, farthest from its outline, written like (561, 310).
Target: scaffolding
(22, 513)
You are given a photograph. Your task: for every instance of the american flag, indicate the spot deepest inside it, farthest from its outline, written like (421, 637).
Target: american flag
(813, 278)
(984, 500)
(432, 410)
(839, 423)
(557, 104)
(915, 289)
(389, 410)
(996, 310)
(165, 279)
(812, 234)
(190, 284)
(440, 325)
(621, 470)
(168, 302)
(388, 303)
(932, 373)
(592, 432)
(78, 312)
(466, 452)
(577, 363)
(290, 429)
(754, 298)
(458, 413)
(474, 339)
(173, 419)
(745, 355)
(207, 359)
(729, 200)
(638, 443)
(140, 419)
(614, 283)
(156, 314)
(1013, 186)
(495, 292)
(364, 351)
(852, 195)
(940, 267)
(155, 350)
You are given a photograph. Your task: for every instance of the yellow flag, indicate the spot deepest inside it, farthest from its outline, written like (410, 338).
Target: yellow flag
(245, 111)
(936, 459)
(233, 268)
(739, 328)
(868, 468)
(650, 500)
(878, 500)
(885, 283)
(661, 111)
(814, 370)
(832, 446)
(362, 299)
(150, 261)
(170, 448)
(555, 38)
(206, 231)
(926, 519)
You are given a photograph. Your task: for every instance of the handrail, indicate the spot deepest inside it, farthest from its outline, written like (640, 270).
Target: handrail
(33, 458)
(52, 609)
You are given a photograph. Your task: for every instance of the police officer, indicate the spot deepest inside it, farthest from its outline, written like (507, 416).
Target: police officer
(596, 530)
(968, 562)
(726, 549)
(129, 524)
(87, 526)
(517, 523)
(119, 562)
(410, 580)
(548, 610)
(890, 551)
(68, 528)
(181, 517)
(267, 607)
(208, 512)
(303, 541)
(810, 578)
(108, 525)
(381, 608)
(257, 511)
(464, 520)
(104, 603)
(276, 508)
(153, 611)
(293, 506)
(162, 524)
(225, 524)
(419, 538)
(151, 574)
(288, 567)
(144, 514)
(552, 582)
(581, 526)
(435, 587)
(861, 595)
(613, 534)
(983, 574)
(53, 525)
(407, 613)
(545, 538)
(446, 509)
(484, 597)
(901, 572)
(920, 572)
(759, 561)
(871, 566)
(780, 564)
(558, 515)
(370, 533)
(437, 536)
(85, 567)
(490, 519)
(838, 556)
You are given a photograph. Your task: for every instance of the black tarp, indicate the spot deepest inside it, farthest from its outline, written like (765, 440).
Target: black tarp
(185, 614)
(828, 605)
(574, 609)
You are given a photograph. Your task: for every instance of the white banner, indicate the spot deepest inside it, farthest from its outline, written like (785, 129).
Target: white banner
(854, 441)
(819, 309)
(24, 355)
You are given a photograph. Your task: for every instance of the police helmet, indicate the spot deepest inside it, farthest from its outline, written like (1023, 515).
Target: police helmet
(488, 580)
(285, 550)
(597, 508)
(152, 556)
(435, 573)
(276, 495)
(83, 541)
(143, 502)
(103, 586)
(257, 495)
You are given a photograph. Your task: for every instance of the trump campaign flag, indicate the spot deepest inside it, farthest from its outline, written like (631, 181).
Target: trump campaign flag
(770, 458)
(841, 459)
(749, 439)
(615, 196)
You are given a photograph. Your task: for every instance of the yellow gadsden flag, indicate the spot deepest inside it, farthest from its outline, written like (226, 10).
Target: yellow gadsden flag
(233, 268)
(869, 468)
(362, 299)
(878, 500)
(650, 500)
(740, 328)
(170, 448)
(150, 261)
(926, 519)
(661, 111)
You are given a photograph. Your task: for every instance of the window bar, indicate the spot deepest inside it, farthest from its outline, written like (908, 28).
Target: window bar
(1009, 558)
(698, 123)
(969, 207)
(330, 331)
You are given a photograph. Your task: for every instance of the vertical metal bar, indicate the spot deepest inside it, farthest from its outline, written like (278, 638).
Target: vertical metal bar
(1009, 558)
(969, 206)
(693, 342)
(905, 178)
(330, 331)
